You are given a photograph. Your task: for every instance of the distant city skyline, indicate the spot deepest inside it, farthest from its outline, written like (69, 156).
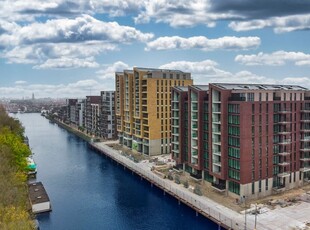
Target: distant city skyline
(72, 48)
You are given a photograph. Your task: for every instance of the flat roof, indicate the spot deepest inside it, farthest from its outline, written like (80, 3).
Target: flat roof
(258, 86)
(181, 88)
(201, 87)
(159, 70)
(37, 193)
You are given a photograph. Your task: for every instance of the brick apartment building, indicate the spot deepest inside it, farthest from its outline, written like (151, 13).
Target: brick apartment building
(244, 139)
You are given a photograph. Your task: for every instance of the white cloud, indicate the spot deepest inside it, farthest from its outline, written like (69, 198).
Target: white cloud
(67, 63)
(280, 24)
(201, 42)
(109, 72)
(75, 89)
(179, 13)
(20, 82)
(277, 58)
(207, 71)
(65, 43)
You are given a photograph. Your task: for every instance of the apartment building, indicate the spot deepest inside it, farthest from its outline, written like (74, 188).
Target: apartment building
(107, 117)
(143, 107)
(92, 114)
(244, 139)
(71, 106)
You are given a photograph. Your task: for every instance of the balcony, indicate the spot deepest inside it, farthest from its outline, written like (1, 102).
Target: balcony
(218, 187)
(279, 188)
(284, 153)
(305, 149)
(285, 142)
(216, 122)
(305, 159)
(305, 120)
(217, 153)
(305, 110)
(284, 122)
(284, 132)
(283, 174)
(283, 164)
(284, 111)
(305, 169)
(217, 162)
(194, 146)
(305, 130)
(305, 139)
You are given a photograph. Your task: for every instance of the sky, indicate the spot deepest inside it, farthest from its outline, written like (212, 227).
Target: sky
(71, 49)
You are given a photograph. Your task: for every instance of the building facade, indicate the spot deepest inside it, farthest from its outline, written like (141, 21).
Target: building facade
(92, 115)
(245, 139)
(107, 127)
(143, 108)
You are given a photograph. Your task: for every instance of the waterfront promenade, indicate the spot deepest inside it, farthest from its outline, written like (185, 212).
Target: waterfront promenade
(293, 217)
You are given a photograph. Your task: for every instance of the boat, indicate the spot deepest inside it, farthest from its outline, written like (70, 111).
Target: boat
(31, 166)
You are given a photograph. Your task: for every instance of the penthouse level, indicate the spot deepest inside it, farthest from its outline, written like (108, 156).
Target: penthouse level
(243, 139)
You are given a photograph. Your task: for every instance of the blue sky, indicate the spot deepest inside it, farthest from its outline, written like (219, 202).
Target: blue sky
(63, 48)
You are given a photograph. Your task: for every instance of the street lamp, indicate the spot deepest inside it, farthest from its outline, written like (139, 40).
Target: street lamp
(255, 216)
(244, 212)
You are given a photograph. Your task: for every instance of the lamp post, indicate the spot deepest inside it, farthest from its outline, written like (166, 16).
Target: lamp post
(255, 216)
(244, 212)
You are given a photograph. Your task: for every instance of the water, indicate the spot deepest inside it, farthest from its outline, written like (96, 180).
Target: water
(88, 191)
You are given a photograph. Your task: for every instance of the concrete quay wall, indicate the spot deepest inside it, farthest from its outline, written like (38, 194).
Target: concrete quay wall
(225, 218)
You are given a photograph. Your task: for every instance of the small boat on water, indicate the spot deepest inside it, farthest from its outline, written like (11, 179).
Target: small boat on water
(31, 166)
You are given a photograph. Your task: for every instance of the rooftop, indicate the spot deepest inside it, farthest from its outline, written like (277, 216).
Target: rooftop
(37, 193)
(258, 87)
(201, 87)
(181, 88)
(157, 70)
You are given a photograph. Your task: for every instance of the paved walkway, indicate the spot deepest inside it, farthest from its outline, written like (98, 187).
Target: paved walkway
(284, 218)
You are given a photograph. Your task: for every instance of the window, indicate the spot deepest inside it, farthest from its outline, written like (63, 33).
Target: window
(250, 96)
(234, 187)
(234, 152)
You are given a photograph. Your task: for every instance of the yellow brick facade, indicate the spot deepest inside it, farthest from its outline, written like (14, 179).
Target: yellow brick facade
(145, 96)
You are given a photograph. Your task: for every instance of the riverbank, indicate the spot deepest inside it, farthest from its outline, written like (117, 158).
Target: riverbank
(292, 217)
(14, 203)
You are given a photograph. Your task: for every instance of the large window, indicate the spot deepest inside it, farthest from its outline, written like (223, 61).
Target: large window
(233, 108)
(234, 152)
(234, 174)
(233, 141)
(234, 187)
(233, 119)
(233, 163)
(234, 130)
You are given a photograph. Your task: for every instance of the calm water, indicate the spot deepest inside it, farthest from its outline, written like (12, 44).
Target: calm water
(88, 191)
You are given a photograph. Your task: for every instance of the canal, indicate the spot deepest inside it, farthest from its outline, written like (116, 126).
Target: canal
(88, 191)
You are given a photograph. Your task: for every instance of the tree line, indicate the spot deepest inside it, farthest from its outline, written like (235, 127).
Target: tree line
(14, 202)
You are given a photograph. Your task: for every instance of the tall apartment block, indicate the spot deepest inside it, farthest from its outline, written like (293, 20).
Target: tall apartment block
(244, 139)
(143, 107)
(92, 114)
(107, 117)
(75, 108)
